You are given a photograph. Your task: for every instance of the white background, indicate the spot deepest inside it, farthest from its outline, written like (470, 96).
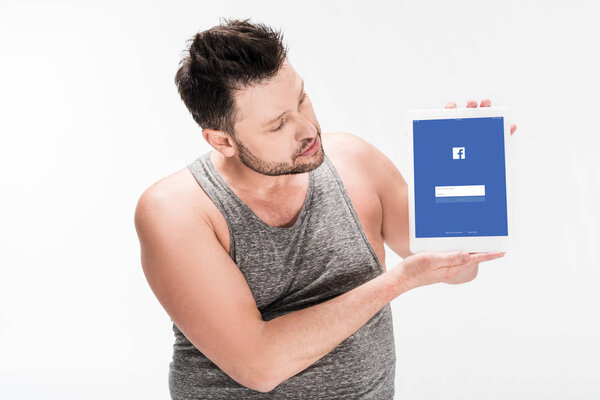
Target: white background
(90, 117)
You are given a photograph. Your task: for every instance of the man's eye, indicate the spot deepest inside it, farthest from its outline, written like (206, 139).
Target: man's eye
(279, 127)
(283, 122)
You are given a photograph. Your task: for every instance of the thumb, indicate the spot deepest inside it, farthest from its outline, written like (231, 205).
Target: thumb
(450, 258)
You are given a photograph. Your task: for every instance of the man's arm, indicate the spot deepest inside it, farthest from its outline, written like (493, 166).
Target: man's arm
(393, 194)
(198, 285)
(207, 297)
(296, 340)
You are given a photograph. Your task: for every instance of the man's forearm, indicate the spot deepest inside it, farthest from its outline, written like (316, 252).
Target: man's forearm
(294, 341)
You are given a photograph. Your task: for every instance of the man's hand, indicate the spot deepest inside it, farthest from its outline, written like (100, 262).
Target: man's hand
(484, 103)
(432, 267)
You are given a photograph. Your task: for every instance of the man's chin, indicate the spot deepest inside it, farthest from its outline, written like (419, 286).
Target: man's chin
(307, 164)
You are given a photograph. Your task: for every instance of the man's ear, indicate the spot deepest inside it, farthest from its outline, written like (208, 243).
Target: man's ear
(220, 141)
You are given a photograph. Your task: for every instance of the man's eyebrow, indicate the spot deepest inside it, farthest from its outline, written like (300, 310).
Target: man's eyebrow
(283, 113)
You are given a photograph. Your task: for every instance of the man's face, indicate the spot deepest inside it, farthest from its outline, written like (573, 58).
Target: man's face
(271, 143)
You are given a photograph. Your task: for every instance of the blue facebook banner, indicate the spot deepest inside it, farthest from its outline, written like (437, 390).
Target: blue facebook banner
(460, 181)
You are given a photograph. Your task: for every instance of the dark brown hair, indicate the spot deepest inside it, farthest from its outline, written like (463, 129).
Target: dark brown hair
(222, 59)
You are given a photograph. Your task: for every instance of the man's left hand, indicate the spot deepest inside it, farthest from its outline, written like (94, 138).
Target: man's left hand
(484, 103)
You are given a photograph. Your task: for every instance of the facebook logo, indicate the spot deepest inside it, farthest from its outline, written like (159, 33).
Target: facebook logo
(458, 153)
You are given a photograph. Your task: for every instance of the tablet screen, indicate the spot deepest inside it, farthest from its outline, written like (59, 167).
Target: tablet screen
(459, 177)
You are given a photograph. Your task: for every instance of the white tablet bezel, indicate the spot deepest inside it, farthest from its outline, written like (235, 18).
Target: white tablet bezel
(467, 243)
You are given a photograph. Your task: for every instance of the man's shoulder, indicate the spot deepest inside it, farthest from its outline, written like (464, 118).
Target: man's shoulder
(357, 160)
(344, 142)
(177, 195)
(350, 152)
(349, 146)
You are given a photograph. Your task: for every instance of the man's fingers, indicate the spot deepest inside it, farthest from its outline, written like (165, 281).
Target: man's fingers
(484, 103)
(471, 103)
(451, 104)
(480, 257)
(449, 259)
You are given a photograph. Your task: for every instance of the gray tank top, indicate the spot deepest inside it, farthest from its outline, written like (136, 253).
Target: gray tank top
(325, 254)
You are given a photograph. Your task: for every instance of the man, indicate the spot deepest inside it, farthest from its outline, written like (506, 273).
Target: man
(268, 251)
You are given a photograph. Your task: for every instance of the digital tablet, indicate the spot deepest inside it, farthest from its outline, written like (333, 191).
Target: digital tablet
(458, 185)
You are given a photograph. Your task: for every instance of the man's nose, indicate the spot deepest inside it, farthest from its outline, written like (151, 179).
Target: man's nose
(307, 130)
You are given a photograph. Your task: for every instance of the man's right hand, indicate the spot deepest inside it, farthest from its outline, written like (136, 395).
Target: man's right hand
(432, 267)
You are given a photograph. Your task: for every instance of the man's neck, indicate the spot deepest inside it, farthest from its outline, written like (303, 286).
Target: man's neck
(244, 179)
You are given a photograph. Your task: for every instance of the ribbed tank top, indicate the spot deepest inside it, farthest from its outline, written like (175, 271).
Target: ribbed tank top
(323, 255)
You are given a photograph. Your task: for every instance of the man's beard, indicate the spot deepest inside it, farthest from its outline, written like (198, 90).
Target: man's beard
(278, 168)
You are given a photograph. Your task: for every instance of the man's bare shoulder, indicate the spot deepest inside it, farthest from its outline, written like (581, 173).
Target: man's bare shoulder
(356, 158)
(349, 151)
(345, 145)
(180, 194)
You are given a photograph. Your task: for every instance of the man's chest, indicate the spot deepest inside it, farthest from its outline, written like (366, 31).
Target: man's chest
(364, 198)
